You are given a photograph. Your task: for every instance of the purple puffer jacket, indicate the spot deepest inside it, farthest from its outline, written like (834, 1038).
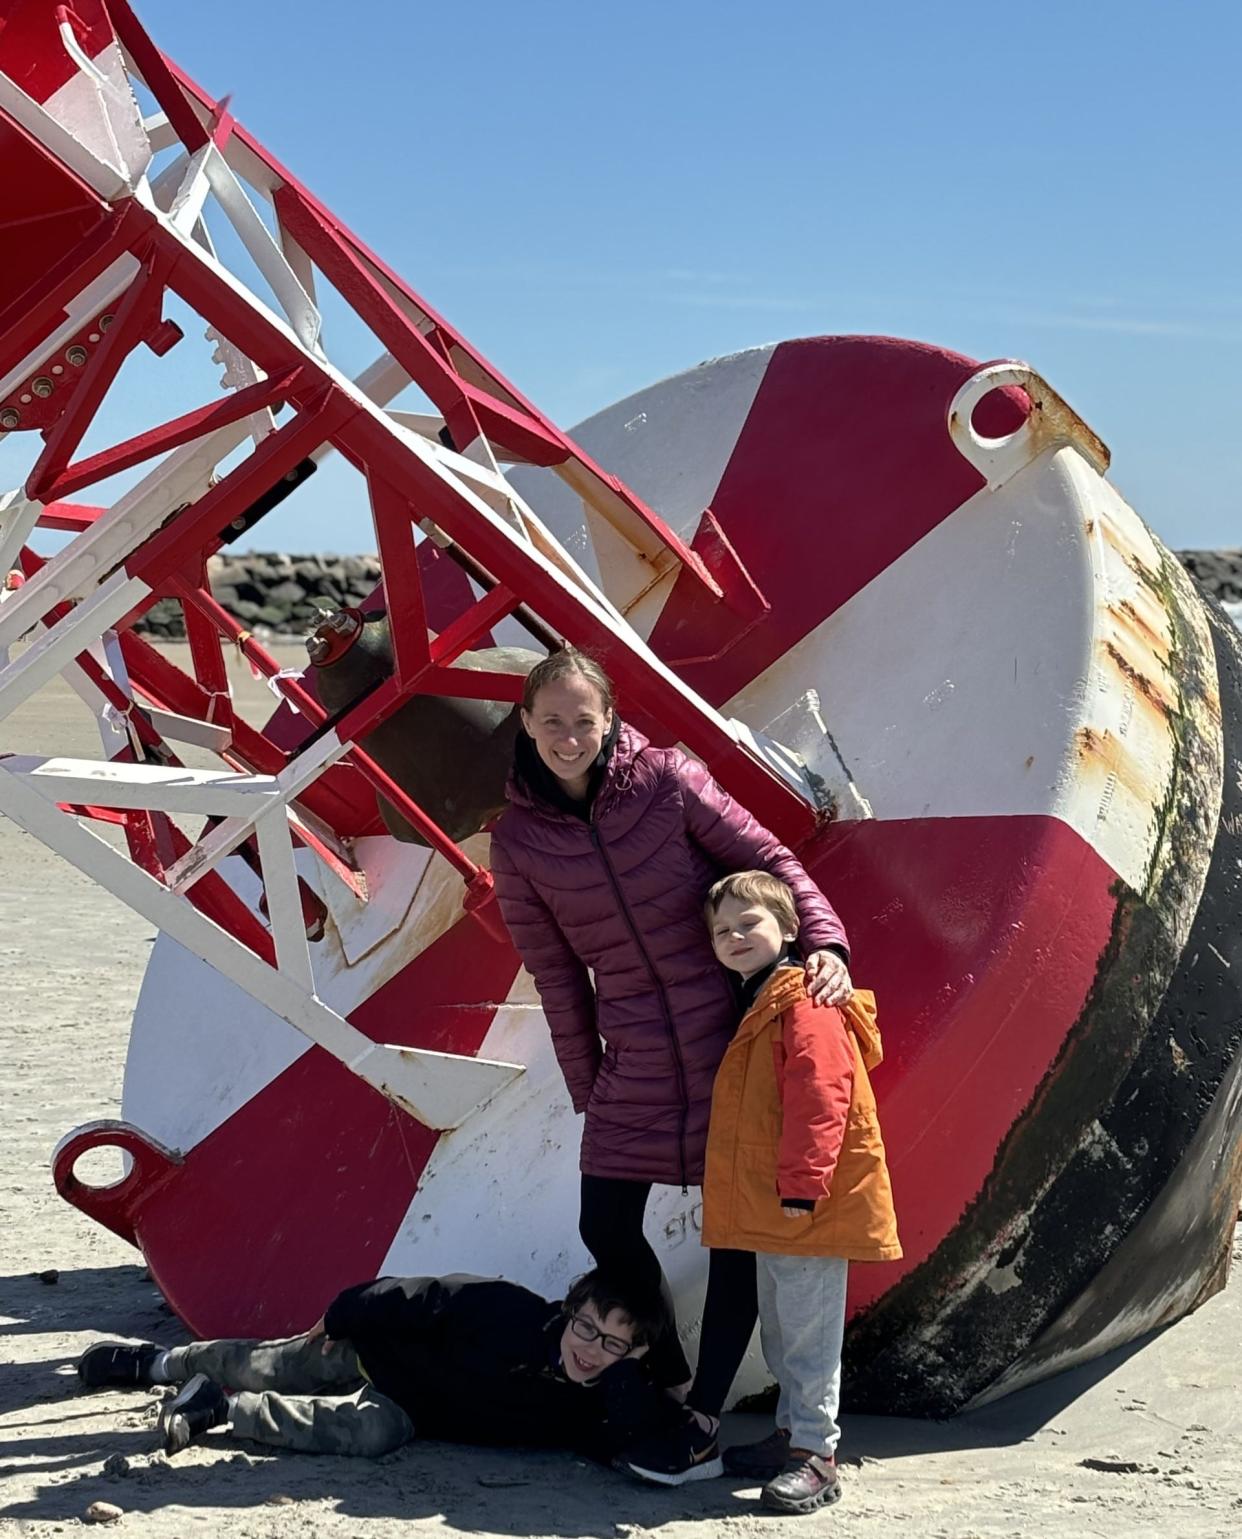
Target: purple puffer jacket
(621, 897)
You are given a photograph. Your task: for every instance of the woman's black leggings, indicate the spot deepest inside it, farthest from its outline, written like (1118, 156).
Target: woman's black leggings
(611, 1226)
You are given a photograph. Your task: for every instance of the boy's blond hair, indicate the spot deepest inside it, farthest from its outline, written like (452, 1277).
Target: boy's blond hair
(755, 887)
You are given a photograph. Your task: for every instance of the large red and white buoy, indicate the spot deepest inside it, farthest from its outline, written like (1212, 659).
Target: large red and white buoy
(885, 592)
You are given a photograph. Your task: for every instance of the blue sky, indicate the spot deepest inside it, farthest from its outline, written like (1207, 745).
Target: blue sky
(600, 194)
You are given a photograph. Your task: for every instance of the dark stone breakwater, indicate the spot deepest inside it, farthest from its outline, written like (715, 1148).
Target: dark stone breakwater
(286, 595)
(1219, 571)
(280, 594)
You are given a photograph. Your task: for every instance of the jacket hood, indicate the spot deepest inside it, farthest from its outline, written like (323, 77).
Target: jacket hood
(523, 789)
(785, 988)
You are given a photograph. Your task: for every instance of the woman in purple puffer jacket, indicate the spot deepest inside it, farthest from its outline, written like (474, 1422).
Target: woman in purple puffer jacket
(602, 863)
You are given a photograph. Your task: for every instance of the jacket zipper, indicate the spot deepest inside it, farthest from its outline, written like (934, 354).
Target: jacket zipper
(598, 842)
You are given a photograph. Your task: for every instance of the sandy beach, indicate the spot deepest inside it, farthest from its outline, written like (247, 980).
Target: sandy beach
(1145, 1442)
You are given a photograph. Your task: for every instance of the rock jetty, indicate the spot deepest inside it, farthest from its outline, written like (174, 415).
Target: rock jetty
(285, 595)
(281, 594)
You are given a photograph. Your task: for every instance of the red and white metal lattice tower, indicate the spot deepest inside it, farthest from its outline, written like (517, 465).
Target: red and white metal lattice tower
(114, 244)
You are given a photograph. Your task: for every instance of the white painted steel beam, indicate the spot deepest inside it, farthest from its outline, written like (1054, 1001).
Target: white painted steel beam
(300, 310)
(97, 296)
(160, 133)
(284, 907)
(74, 633)
(192, 191)
(190, 729)
(181, 476)
(439, 1089)
(99, 176)
(18, 517)
(226, 836)
(152, 787)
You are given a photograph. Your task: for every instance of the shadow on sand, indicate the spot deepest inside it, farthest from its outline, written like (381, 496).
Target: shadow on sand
(67, 1435)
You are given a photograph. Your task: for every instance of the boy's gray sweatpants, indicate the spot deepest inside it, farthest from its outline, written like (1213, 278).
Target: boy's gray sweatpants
(801, 1326)
(293, 1394)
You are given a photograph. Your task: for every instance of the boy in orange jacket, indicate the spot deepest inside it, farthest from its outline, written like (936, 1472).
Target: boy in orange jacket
(796, 1173)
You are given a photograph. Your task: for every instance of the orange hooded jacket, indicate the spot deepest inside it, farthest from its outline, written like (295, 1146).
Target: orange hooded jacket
(793, 1115)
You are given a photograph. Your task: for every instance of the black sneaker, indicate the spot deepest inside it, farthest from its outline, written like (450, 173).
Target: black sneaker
(764, 1459)
(807, 1482)
(677, 1457)
(197, 1407)
(117, 1362)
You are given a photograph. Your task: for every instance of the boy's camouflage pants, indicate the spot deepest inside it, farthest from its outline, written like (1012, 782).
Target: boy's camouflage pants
(293, 1394)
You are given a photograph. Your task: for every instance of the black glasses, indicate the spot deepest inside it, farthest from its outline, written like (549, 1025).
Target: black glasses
(585, 1331)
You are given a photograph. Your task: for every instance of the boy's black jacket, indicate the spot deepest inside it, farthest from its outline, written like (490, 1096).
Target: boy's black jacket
(476, 1360)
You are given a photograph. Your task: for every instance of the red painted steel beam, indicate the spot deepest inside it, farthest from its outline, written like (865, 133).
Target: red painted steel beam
(367, 296)
(186, 536)
(95, 814)
(472, 684)
(70, 518)
(356, 722)
(31, 315)
(371, 446)
(433, 373)
(159, 79)
(403, 582)
(458, 637)
(207, 658)
(170, 435)
(771, 800)
(470, 364)
(144, 296)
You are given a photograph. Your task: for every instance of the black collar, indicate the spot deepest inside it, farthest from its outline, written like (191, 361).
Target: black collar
(748, 988)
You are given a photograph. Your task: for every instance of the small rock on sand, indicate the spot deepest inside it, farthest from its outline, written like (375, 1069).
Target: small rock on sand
(103, 1512)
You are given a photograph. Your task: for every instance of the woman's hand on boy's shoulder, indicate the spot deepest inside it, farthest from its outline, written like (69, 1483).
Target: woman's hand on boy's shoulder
(827, 979)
